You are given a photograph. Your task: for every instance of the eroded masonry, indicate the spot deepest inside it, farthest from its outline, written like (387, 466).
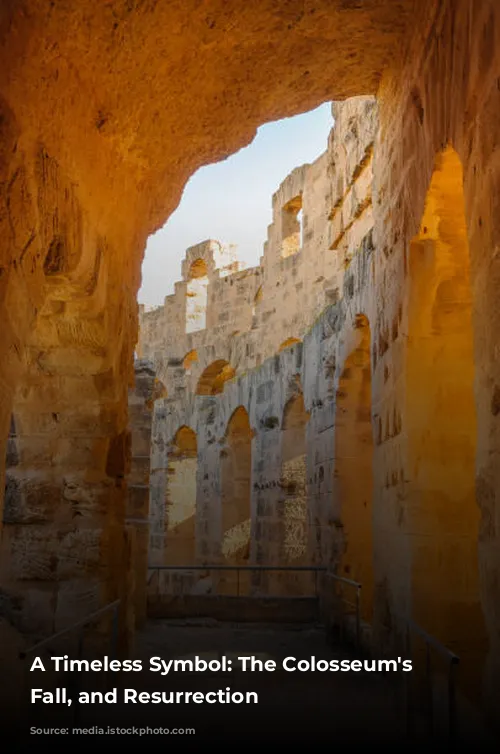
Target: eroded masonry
(344, 395)
(281, 441)
(248, 361)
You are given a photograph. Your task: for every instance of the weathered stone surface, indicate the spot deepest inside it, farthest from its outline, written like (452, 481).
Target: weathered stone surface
(103, 118)
(256, 363)
(143, 392)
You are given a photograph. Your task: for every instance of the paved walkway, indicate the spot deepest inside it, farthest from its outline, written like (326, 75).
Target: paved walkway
(304, 708)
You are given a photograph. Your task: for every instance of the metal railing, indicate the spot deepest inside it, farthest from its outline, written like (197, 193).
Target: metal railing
(347, 606)
(79, 628)
(238, 569)
(343, 607)
(452, 662)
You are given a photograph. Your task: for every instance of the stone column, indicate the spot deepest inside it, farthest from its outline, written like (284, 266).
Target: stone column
(64, 546)
(158, 486)
(141, 399)
(266, 493)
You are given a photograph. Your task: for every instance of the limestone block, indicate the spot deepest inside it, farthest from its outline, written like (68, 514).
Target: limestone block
(87, 499)
(79, 550)
(30, 501)
(33, 552)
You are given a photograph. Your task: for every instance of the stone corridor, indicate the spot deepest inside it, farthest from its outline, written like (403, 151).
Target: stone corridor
(308, 707)
(338, 404)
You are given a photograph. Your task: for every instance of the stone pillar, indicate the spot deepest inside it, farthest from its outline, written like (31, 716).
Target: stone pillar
(63, 551)
(266, 492)
(141, 399)
(158, 481)
(323, 534)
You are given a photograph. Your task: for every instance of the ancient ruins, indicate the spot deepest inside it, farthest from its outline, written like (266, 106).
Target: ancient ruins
(337, 405)
(248, 362)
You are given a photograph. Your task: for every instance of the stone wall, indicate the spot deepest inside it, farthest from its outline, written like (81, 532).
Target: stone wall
(259, 314)
(285, 373)
(409, 340)
(103, 119)
(253, 313)
(90, 165)
(145, 390)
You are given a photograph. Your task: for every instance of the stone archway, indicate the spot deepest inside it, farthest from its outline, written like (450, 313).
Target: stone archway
(50, 136)
(214, 377)
(189, 359)
(236, 490)
(353, 466)
(293, 514)
(180, 544)
(441, 427)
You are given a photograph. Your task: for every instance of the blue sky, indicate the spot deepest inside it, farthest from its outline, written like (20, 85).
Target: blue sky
(230, 201)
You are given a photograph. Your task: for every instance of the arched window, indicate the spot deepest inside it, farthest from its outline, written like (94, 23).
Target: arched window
(291, 227)
(214, 377)
(294, 527)
(189, 359)
(196, 296)
(181, 498)
(236, 473)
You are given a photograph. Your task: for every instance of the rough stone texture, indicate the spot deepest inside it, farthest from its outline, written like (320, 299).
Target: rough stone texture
(104, 116)
(248, 318)
(389, 471)
(145, 391)
(252, 314)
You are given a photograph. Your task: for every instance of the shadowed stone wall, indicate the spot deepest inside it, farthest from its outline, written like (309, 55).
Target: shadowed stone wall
(90, 165)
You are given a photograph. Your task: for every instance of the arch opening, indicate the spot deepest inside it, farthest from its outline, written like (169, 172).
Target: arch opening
(293, 514)
(214, 377)
(196, 296)
(291, 225)
(180, 546)
(353, 466)
(189, 359)
(236, 474)
(441, 426)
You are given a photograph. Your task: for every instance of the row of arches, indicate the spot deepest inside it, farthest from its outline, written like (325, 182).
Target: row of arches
(214, 377)
(235, 468)
(431, 423)
(433, 492)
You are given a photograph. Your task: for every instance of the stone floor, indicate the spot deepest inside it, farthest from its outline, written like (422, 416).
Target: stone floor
(348, 707)
(294, 707)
